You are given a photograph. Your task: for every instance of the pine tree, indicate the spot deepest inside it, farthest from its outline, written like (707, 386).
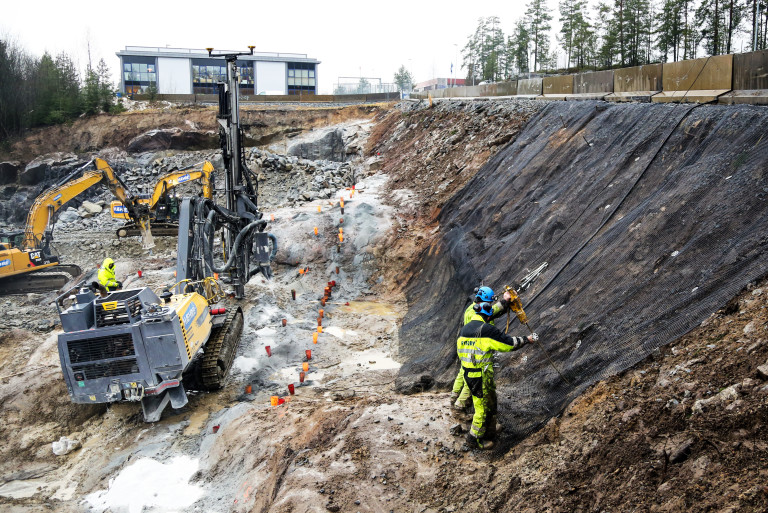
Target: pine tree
(403, 79)
(538, 18)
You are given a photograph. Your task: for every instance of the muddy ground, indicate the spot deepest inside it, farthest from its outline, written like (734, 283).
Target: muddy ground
(683, 431)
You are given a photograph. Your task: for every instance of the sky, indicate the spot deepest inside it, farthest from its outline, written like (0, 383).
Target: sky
(349, 38)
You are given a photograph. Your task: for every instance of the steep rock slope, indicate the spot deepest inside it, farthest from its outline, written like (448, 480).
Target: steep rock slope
(650, 217)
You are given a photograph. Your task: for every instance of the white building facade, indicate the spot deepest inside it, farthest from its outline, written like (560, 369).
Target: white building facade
(192, 71)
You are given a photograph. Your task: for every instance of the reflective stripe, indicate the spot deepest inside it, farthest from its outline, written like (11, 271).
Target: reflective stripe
(476, 374)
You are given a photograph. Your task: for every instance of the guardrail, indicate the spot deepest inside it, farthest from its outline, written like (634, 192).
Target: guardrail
(262, 98)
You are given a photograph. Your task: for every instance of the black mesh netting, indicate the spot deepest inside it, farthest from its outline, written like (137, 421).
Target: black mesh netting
(650, 217)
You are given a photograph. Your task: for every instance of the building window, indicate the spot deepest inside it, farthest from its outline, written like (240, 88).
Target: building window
(207, 73)
(301, 78)
(139, 74)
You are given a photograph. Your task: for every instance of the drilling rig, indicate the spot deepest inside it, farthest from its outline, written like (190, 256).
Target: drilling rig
(150, 347)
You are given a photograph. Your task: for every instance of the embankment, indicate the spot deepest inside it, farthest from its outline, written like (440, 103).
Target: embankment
(649, 217)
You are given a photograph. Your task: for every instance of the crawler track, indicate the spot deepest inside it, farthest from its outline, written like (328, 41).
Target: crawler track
(220, 350)
(53, 278)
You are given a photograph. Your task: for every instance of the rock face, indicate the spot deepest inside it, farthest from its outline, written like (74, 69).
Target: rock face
(328, 147)
(9, 172)
(48, 167)
(173, 138)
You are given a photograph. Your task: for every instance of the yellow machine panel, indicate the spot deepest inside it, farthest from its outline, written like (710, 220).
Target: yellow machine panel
(195, 319)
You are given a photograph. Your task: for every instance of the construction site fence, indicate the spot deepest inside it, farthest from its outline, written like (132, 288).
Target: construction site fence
(303, 98)
(726, 79)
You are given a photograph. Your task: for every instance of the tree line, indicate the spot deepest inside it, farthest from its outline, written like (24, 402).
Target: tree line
(612, 33)
(47, 91)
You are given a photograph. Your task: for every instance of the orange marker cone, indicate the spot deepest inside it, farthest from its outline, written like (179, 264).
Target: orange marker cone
(322, 313)
(314, 338)
(274, 400)
(305, 366)
(315, 230)
(319, 209)
(319, 329)
(285, 322)
(271, 217)
(248, 389)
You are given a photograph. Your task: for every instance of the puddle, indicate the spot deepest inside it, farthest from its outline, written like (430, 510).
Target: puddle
(148, 485)
(371, 359)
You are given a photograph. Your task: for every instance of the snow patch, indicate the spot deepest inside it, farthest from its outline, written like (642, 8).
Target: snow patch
(150, 484)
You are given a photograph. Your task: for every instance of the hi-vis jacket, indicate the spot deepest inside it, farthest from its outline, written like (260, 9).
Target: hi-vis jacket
(478, 340)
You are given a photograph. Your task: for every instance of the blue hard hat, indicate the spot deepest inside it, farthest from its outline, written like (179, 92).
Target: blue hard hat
(485, 295)
(484, 308)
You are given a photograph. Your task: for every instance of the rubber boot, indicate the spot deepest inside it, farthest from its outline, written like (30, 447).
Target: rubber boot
(482, 444)
(492, 427)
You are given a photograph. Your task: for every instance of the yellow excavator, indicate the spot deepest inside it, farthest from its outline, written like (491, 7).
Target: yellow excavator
(164, 207)
(27, 261)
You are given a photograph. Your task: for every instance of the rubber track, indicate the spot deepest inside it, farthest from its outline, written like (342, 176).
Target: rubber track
(35, 282)
(158, 230)
(220, 350)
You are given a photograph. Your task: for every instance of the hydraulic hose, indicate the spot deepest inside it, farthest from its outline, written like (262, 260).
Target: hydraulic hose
(238, 240)
(274, 246)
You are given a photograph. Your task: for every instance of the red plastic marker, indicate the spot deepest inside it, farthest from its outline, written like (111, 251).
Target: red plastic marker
(269, 350)
(248, 389)
(309, 354)
(290, 388)
(285, 322)
(216, 428)
(139, 271)
(302, 374)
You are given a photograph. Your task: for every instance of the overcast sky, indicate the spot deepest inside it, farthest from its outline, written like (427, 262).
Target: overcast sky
(350, 38)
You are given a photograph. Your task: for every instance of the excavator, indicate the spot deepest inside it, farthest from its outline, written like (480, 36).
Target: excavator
(164, 207)
(151, 346)
(28, 263)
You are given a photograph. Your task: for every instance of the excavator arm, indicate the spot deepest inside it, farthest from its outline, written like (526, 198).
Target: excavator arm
(171, 180)
(41, 214)
(137, 211)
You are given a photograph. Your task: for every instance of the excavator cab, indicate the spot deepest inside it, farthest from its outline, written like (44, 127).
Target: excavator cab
(12, 239)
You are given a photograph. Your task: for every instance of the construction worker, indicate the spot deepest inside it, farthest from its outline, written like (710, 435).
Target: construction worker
(477, 341)
(461, 394)
(107, 276)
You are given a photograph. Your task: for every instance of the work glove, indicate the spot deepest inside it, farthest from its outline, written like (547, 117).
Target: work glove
(507, 296)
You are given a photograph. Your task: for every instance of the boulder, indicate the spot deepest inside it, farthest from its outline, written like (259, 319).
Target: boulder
(91, 208)
(9, 172)
(173, 139)
(69, 215)
(64, 446)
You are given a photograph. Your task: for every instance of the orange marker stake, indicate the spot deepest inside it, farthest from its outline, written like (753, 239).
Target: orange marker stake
(274, 400)
(341, 202)
(322, 301)
(309, 354)
(322, 313)
(305, 367)
(285, 322)
(314, 338)
(319, 208)
(271, 217)
(315, 230)
(215, 276)
(319, 321)
(341, 237)
(319, 329)
(248, 389)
